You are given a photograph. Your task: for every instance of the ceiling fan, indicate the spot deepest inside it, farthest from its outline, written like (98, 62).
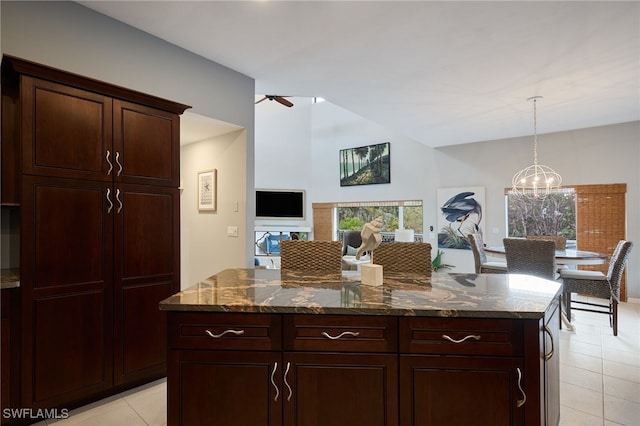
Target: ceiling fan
(280, 99)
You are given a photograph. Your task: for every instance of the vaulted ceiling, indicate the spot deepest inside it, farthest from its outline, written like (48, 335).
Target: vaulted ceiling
(439, 72)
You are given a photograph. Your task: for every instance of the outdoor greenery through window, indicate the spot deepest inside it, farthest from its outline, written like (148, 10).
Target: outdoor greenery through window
(395, 215)
(554, 214)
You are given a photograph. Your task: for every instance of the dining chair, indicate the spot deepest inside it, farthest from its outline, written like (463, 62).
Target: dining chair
(403, 257)
(314, 255)
(561, 242)
(598, 285)
(482, 265)
(531, 257)
(351, 239)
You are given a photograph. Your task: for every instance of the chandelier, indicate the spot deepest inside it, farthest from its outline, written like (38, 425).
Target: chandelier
(535, 181)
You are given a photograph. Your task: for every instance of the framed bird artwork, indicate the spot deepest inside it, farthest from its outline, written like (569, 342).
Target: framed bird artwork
(460, 214)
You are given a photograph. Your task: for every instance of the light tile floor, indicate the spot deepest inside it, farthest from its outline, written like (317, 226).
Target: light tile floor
(599, 380)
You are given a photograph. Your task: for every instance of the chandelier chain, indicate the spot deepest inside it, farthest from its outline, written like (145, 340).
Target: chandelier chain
(535, 133)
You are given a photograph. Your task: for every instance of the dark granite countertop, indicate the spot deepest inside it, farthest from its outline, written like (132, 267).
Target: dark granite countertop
(441, 294)
(9, 278)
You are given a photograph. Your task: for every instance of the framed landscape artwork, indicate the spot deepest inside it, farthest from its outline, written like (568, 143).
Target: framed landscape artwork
(365, 165)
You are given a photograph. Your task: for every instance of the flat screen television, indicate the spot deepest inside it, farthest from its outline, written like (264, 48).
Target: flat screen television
(279, 204)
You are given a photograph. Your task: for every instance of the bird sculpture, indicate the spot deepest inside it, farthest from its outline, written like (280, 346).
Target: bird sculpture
(371, 237)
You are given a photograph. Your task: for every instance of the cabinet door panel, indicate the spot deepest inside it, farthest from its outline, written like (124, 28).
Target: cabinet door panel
(459, 391)
(66, 131)
(5, 365)
(72, 353)
(67, 234)
(224, 388)
(148, 143)
(66, 278)
(146, 271)
(147, 223)
(140, 335)
(341, 389)
(552, 366)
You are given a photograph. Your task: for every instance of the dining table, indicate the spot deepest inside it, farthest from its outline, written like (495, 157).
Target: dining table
(563, 257)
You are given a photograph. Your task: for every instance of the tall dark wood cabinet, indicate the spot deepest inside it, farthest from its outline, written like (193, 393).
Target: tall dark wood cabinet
(98, 180)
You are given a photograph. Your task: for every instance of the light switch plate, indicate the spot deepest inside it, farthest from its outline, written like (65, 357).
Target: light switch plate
(232, 231)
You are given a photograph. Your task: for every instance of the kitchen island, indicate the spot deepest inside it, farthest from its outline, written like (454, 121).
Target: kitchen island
(257, 347)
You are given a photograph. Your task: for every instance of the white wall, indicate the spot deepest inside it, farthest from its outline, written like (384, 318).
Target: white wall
(205, 246)
(74, 38)
(284, 157)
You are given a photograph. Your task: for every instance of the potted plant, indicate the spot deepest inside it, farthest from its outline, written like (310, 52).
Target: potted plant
(436, 263)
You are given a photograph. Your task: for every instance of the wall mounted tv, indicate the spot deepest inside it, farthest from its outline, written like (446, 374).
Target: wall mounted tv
(279, 204)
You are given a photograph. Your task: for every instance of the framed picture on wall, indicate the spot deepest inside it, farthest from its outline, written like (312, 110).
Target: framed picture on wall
(460, 214)
(365, 165)
(207, 190)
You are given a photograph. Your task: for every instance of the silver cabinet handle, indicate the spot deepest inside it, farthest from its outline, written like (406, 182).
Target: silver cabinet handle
(471, 336)
(548, 356)
(119, 201)
(273, 373)
(520, 402)
(217, 336)
(287, 383)
(110, 163)
(118, 163)
(109, 201)
(344, 333)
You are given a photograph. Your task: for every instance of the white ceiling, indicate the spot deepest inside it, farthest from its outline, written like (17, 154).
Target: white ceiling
(442, 73)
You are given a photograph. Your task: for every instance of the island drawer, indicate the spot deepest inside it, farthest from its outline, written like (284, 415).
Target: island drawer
(461, 336)
(226, 331)
(340, 333)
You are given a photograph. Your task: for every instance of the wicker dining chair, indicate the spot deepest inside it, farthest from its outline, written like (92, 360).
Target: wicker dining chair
(482, 265)
(561, 242)
(531, 257)
(315, 255)
(403, 257)
(596, 284)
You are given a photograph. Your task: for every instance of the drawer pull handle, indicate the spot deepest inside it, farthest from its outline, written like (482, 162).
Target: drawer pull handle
(109, 201)
(471, 336)
(217, 336)
(110, 163)
(344, 333)
(286, 373)
(548, 356)
(119, 201)
(273, 373)
(118, 163)
(520, 402)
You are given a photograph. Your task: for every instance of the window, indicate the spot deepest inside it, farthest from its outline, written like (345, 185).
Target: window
(395, 215)
(551, 215)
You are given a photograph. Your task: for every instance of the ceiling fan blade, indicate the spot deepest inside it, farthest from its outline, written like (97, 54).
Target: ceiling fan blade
(263, 99)
(283, 101)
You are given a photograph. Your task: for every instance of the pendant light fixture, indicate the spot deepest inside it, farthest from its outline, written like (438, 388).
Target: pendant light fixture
(535, 181)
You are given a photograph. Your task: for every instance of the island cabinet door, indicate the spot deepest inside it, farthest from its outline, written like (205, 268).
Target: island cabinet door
(551, 361)
(332, 389)
(461, 391)
(224, 388)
